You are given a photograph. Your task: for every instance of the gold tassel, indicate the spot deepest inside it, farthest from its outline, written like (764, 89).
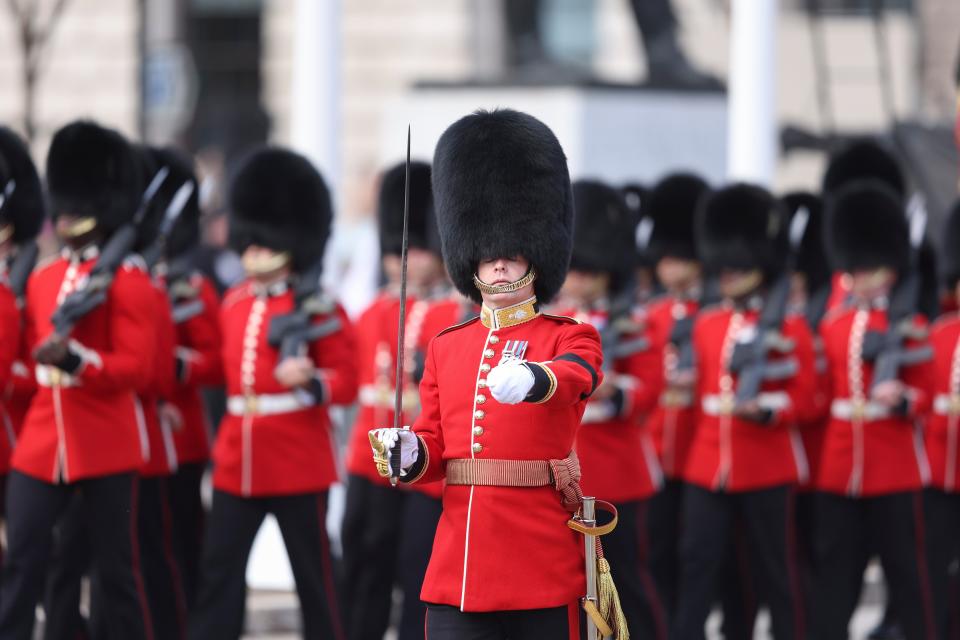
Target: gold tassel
(610, 608)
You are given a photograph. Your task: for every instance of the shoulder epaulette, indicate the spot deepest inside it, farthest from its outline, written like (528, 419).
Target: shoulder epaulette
(563, 319)
(459, 326)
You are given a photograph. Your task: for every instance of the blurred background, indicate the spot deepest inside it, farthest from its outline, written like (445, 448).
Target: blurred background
(634, 89)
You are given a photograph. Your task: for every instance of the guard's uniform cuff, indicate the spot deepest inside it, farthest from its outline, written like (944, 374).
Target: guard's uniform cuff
(544, 383)
(418, 468)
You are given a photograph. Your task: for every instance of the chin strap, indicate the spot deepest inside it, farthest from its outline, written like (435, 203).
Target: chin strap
(490, 289)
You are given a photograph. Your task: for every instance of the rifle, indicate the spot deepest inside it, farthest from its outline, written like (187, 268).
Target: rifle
(682, 334)
(751, 360)
(611, 337)
(153, 254)
(891, 354)
(292, 331)
(21, 267)
(93, 293)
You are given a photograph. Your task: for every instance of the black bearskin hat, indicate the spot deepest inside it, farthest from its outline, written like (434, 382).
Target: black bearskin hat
(862, 159)
(950, 249)
(603, 235)
(93, 172)
(26, 208)
(671, 205)
(501, 189)
(742, 226)
(812, 258)
(867, 228)
(186, 230)
(278, 200)
(422, 230)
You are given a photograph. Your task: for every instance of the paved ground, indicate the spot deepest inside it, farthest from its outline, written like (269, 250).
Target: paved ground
(273, 616)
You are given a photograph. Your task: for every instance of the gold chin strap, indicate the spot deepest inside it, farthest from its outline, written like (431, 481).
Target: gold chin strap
(267, 264)
(6, 232)
(490, 289)
(747, 283)
(80, 227)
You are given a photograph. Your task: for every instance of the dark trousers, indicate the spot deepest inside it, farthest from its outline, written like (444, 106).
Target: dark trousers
(421, 514)
(663, 525)
(232, 526)
(70, 561)
(892, 525)
(374, 518)
(559, 623)
(109, 508)
(708, 526)
(627, 548)
(943, 554)
(161, 571)
(371, 523)
(188, 522)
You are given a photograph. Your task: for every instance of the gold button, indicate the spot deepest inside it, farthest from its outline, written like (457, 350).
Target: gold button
(478, 431)
(485, 367)
(482, 383)
(477, 447)
(478, 414)
(481, 399)
(494, 339)
(488, 353)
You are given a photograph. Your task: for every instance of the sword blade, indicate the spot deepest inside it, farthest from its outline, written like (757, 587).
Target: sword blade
(401, 322)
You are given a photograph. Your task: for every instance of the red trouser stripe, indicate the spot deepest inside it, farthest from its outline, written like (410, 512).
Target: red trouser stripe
(332, 604)
(135, 557)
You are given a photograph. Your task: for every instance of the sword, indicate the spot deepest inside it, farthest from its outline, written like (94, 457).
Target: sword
(398, 386)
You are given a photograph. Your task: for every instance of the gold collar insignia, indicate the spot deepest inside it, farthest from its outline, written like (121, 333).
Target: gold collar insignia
(509, 316)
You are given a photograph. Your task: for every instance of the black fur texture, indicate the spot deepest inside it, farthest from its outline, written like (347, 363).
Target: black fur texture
(423, 233)
(278, 200)
(26, 209)
(742, 227)
(861, 159)
(602, 231)
(950, 249)
(501, 189)
(93, 171)
(672, 205)
(867, 228)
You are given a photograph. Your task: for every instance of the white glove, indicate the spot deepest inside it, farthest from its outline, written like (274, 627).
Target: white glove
(387, 439)
(510, 382)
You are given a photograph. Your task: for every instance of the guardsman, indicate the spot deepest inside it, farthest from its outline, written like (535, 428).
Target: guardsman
(82, 432)
(196, 361)
(745, 455)
(809, 295)
(617, 458)
(859, 159)
(274, 452)
(872, 464)
(942, 501)
(671, 205)
(374, 511)
(21, 218)
(502, 394)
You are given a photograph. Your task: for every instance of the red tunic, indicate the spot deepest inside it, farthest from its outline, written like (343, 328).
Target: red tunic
(87, 425)
(500, 548)
(943, 430)
(198, 348)
(671, 424)
(617, 457)
(869, 455)
(9, 350)
(731, 454)
(269, 452)
(161, 455)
